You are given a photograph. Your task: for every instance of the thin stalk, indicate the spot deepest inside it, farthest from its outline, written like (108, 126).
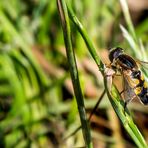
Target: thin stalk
(73, 71)
(92, 112)
(84, 34)
(130, 34)
(128, 19)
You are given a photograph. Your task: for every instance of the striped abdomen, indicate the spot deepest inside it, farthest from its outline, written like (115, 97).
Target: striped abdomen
(141, 87)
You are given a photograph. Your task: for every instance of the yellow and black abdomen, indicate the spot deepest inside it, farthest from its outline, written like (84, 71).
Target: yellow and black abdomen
(141, 87)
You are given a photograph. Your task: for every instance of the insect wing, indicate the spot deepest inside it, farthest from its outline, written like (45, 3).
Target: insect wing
(128, 93)
(142, 63)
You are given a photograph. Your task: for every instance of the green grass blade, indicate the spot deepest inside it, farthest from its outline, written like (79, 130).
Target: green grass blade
(85, 36)
(128, 19)
(73, 71)
(18, 40)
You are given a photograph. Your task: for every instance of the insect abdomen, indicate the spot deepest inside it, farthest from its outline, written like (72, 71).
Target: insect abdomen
(141, 88)
(143, 95)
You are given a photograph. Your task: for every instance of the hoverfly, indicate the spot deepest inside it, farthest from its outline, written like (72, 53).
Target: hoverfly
(135, 85)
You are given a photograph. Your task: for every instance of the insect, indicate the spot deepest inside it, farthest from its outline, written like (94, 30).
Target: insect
(135, 85)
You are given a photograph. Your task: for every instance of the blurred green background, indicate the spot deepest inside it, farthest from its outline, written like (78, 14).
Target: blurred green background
(37, 105)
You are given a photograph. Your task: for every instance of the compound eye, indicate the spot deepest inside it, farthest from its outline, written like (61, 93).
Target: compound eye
(114, 53)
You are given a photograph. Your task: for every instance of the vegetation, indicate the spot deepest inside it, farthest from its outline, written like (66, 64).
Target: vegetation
(38, 107)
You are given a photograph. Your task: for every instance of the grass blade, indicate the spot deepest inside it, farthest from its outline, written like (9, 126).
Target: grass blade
(73, 71)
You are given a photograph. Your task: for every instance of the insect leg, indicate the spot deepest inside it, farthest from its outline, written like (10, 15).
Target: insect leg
(108, 74)
(122, 92)
(127, 102)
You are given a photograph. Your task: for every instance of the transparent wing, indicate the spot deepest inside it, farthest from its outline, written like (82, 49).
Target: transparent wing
(142, 63)
(128, 93)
